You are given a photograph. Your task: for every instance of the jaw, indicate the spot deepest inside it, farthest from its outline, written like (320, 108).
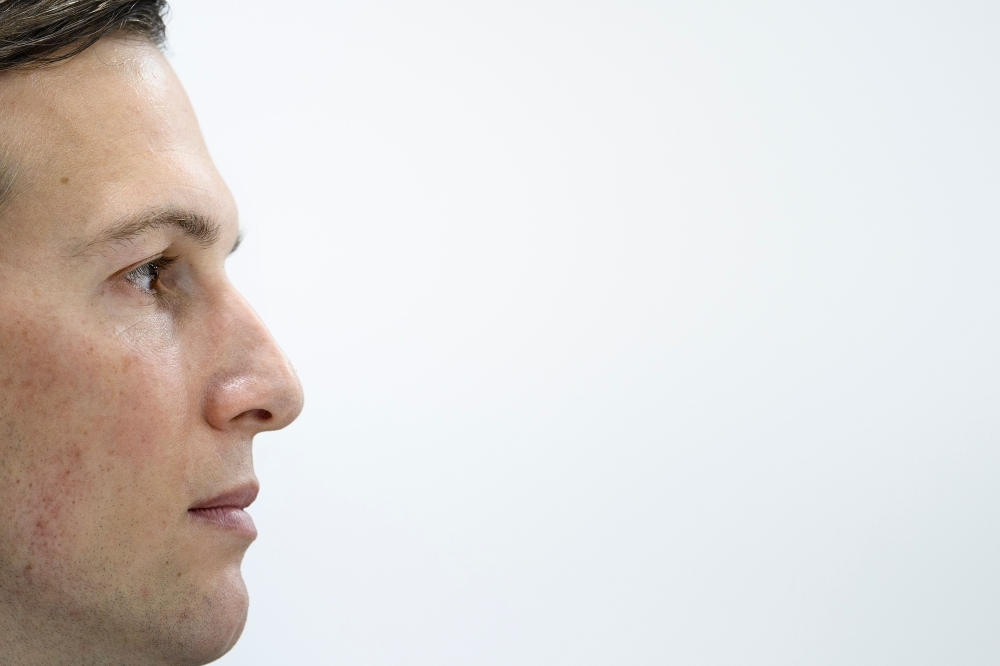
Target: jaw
(187, 606)
(210, 626)
(190, 642)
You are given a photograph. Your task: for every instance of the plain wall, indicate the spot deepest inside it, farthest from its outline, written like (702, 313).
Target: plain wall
(632, 332)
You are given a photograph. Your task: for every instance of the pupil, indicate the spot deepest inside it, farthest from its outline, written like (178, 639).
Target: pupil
(150, 272)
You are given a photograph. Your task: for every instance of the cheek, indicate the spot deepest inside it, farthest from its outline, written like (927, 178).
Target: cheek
(88, 433)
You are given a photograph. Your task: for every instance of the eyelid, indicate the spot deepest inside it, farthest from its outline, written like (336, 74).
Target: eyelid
(148, 260)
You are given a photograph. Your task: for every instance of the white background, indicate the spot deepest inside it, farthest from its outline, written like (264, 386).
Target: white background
(632, 332)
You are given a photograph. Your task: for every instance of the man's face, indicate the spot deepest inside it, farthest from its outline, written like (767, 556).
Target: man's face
(132, 376)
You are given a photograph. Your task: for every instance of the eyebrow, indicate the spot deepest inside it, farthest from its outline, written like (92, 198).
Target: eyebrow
(195, 226)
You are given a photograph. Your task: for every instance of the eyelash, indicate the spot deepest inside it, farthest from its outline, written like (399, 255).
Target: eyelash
(149, 271)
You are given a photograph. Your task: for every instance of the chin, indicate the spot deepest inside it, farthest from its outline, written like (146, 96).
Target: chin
(210, 626)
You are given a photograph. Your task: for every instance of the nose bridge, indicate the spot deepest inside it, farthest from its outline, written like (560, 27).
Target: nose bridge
(253, 385)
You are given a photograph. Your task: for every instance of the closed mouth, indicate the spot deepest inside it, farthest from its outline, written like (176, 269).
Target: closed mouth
(226, 510)
(239, 497)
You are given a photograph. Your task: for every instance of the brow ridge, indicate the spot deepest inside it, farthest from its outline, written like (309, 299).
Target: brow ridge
(196, 226)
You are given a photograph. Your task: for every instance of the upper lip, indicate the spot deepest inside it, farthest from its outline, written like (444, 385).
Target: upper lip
(239, 497)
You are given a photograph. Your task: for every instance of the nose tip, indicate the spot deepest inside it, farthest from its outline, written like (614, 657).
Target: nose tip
(286, 398)
(254, 388)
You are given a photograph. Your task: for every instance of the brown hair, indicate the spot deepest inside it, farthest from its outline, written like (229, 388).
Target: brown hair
(41, 32)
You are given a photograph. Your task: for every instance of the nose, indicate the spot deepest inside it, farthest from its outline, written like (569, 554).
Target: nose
(252, 386)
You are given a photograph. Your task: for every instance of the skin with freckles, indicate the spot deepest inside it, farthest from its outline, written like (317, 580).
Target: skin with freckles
(133, 376)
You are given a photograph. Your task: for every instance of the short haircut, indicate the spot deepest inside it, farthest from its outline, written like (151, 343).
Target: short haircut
(35, 33)
(41, 32)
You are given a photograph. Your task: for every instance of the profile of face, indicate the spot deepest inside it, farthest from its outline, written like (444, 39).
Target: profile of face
(133, 377)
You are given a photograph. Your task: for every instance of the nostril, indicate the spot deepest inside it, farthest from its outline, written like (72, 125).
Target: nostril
(261, 414)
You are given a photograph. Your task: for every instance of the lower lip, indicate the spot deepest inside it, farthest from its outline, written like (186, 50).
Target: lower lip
(227, 517)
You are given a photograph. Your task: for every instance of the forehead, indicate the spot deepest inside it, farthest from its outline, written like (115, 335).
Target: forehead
(97, 137)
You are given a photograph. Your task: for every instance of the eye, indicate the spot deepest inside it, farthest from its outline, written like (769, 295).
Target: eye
(147, 276)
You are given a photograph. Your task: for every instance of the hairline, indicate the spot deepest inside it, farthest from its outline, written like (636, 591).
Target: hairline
(8, 179)
(8, 166)
(37, 35)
